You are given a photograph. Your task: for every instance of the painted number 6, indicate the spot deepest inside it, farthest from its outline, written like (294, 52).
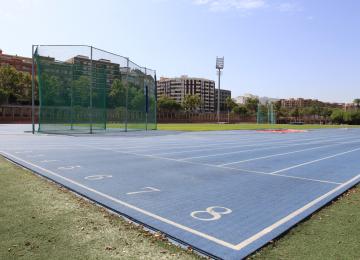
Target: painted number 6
(211, 213)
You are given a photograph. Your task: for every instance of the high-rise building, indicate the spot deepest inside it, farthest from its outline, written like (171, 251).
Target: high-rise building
(224, 94)
(178, 88)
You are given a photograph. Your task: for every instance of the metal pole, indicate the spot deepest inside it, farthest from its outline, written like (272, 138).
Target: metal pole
(91, 86)
(72, 99)
(127, 94)
(218, 103)
(155, 102)
(33, 90)
(146, 102)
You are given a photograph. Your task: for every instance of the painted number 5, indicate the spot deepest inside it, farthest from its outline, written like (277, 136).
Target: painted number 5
(211, 213)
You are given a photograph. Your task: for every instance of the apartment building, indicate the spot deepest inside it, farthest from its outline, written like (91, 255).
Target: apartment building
(224, 94)
(105, 71)
(178, 88)
(241, 100)
(299, 102)
(23, 64)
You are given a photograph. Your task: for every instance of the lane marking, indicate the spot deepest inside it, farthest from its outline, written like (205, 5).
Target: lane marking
(237, 247)
(293, 215)
(291, 141)
(35, 155)
(123, 203)
(317, 160)
(145, 190)
(68, 167)
(215, 166)
(292, 144)
(48, 161)
(212, 211)
(97, 177)
(283, 175)
(287, 153)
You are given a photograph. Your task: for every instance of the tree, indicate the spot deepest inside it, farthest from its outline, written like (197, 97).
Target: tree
(191, 102)
(166, 104)
(9, 83)
(295, 113)
(337, 116)
(24, 89)
(252, 104)
(117, 94)
(357, 102)
(240, 109)
(229, 103)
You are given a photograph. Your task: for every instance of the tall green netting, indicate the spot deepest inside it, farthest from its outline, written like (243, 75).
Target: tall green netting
(83, 89)
(266, 114)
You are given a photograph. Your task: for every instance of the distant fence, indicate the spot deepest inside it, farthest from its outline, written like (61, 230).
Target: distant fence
(16, 114)
(183, 117)
(22, 114)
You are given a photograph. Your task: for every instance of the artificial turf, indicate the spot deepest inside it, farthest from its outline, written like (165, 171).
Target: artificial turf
(40, 220)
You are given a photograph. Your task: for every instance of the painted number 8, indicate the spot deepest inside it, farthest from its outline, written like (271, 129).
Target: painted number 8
(211, 213)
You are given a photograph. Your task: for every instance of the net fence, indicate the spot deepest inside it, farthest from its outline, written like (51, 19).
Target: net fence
(84, 89)
(266, 114)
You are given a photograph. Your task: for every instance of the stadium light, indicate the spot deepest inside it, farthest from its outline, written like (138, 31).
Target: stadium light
(219, 67)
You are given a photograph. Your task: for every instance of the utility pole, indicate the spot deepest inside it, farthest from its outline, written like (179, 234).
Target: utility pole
(219, 67)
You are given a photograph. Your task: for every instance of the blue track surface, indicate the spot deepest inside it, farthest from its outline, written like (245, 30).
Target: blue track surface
(225, 193)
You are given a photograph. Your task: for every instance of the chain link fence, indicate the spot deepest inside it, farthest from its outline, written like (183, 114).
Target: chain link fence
(83, 89)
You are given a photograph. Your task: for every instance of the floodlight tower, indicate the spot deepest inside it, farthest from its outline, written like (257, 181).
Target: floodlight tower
(219, 67)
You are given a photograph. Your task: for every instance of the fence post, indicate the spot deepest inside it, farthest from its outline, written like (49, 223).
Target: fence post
(32, 91)
(127, 94)
(91, 86)
(155, 102)
(146, 102)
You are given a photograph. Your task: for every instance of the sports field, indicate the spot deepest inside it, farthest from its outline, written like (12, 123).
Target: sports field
(225, 194)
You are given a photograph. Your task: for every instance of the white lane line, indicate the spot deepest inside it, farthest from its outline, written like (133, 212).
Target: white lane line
(282, 175)
(147, 213)
(215, 166)
(237, 247)
(282, 144)
(234, 146)
(35, 155)
(256, 149)
(48, 161)
(200, 145)
(292, 215)
(314, 161)
(144, 190)
(287, 153)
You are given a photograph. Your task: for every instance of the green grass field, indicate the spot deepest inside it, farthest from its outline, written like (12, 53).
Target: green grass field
(245, 126)
(39, 220)
(212, 126)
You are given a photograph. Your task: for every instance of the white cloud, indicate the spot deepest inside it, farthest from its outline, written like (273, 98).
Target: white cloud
(222, 5)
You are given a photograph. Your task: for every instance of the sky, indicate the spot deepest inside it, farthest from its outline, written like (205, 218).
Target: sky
(274, 48)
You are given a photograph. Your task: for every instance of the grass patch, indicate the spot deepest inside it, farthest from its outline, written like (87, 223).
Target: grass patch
(332, 233)
(245, 126)
(40, 220)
